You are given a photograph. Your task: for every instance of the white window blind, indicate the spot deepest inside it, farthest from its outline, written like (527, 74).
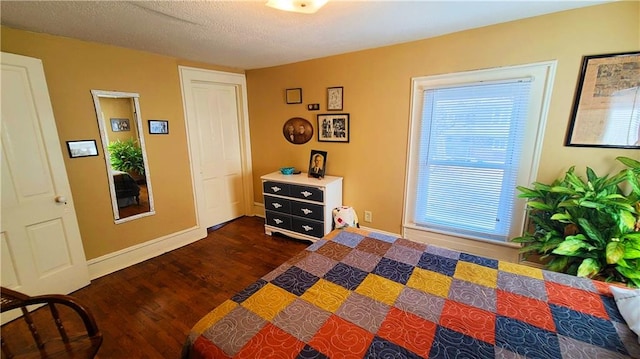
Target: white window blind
(469, 155)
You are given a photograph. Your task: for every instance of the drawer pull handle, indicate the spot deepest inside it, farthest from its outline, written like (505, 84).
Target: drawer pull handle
(306, 193)
(278, 221)
(276, 189)
(307, 228)
(276, 205)
(306, 211)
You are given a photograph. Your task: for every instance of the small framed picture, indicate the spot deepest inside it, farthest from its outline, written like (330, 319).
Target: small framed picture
(334, 98)
(82, 148)
(317, 163)
(333, 127)
(120, 124)
(293, 96)
(159, 127)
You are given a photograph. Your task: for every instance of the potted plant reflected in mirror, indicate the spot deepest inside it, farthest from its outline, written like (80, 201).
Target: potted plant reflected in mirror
(587, 227)
(126, 156)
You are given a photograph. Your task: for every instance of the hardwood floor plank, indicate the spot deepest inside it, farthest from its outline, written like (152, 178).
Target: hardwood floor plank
(147, 310)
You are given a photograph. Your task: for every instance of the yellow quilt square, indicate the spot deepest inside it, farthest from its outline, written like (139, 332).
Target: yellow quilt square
(520, 269)
(214, 316)
(326, 295)
(269, 301)
(430, 282)
(478, 274)
(380, 289)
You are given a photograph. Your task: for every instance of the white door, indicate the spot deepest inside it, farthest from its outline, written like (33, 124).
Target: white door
(216, 116)
(41, 246)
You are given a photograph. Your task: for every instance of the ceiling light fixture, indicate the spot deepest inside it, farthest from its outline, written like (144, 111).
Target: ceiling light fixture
(301, 6)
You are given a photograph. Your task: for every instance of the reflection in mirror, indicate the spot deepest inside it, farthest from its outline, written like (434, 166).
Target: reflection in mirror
(126, 159)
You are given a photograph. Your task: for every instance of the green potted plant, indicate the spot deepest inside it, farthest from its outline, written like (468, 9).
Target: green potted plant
(126, 156)
(589, 228)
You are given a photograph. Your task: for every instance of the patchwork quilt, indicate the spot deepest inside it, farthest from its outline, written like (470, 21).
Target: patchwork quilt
(359, 294)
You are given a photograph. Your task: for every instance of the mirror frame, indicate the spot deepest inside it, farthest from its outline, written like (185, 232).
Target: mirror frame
(97, 94)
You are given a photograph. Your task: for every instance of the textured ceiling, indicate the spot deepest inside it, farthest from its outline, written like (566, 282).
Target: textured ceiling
(249, 35)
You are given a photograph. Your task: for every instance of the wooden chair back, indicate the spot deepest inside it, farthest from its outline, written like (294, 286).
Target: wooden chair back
(47, 343)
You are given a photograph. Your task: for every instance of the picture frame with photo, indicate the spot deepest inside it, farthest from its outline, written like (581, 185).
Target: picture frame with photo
(333, 127)
(334, 98)
(120, 124)
(82, 148)
(317, 163)
(158, 127)
(606, 102)
(293, 96)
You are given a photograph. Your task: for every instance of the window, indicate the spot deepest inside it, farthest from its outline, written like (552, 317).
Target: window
(475, 136)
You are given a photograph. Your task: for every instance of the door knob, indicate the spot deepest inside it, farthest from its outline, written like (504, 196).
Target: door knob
(61, 199)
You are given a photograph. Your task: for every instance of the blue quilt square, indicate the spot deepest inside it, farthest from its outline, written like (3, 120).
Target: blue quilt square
(308, 352)
(486, 262)
(381, 348)
(587, 328)
(295, 280)
(393, 270)
(526, 339)
(248, 291)
(382, 237)
(349, 239)
(346, 276)
(448, 343)
(612, 308)
(432, 262)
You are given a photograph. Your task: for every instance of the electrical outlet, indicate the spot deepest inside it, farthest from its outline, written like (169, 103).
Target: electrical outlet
(368, 216)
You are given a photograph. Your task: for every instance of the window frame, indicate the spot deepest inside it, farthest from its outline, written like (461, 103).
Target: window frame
(542, 75)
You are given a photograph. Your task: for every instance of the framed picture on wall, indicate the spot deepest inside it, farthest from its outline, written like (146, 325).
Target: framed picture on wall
(334, 98)
(159, 127)
(607, 102)
(120, 124)
(293, 96)
(333, 127)
(82, 148)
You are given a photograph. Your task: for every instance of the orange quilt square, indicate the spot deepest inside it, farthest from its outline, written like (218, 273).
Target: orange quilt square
(526, 309)
(409, 331)
(340, 339)
(271, 342)
(589, 303)
(472, 321)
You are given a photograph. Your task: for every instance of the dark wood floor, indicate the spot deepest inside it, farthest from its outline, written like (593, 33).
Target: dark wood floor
(147, 310)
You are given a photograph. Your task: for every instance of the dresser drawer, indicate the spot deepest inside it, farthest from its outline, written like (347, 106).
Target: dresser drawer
(308, 193)
(278, 220)
(281, 189)
(277, 204)
(307, 210)
(308, 227)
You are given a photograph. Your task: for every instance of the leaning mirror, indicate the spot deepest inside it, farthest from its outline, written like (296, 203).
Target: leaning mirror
(125, 155)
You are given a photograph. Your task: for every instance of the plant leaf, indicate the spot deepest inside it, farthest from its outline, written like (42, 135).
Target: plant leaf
(539, 205)
(588, 268)
(629, 162)
(570, 247)
(590, 231)
(614, 252)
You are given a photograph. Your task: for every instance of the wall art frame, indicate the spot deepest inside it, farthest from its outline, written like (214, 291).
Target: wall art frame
(335, 97)
(158, 127)
(606, 108)
(120, 124)
(293, 95)
(82, 148)
(333, 127)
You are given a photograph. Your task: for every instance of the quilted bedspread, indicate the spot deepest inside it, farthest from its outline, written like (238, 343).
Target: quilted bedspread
(358, 294)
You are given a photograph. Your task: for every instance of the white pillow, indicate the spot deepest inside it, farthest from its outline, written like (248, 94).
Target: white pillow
(628, 302)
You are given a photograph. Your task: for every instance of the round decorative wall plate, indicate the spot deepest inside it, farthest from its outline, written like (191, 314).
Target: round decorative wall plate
(297, 130)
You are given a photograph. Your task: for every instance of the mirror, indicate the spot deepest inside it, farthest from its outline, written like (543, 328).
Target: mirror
(120, 126)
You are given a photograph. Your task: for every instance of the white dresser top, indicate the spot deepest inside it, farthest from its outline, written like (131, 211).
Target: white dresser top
(301, 178)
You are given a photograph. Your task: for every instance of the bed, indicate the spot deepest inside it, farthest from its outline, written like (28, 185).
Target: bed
(359, 294)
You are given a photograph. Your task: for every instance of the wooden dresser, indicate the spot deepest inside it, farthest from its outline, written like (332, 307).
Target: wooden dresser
(300, 206)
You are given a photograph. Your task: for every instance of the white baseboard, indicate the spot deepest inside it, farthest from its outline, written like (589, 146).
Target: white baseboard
(258, 209)
(115, 261)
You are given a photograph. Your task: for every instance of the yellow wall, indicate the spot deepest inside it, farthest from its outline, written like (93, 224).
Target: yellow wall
(377, 85)
(73, 68)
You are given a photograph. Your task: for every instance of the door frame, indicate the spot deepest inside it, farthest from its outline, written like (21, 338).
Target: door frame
(189, 75)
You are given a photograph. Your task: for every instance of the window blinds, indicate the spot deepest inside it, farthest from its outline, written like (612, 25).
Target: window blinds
(469, 155)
